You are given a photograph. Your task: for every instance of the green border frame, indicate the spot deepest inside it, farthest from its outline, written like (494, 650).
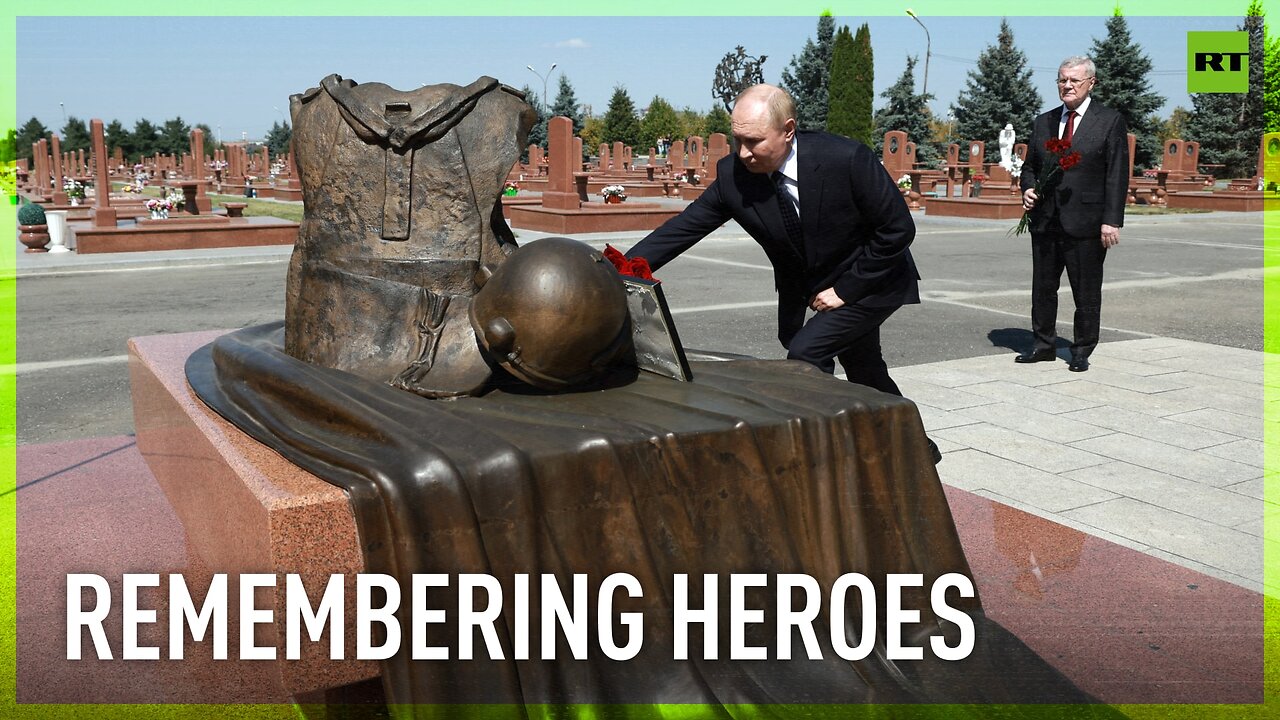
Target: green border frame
(1270, 707)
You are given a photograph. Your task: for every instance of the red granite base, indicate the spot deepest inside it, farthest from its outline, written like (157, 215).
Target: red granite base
(591, 218)
(1224, 200)
(244, 508)
(178, 234)
(1001, 208)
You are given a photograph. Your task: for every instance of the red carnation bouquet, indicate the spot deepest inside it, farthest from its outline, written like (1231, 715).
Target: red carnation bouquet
(632, 267)
(1064, 160)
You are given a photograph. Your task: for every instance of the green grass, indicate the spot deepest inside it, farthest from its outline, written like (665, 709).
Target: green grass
(1155, 210)
(253, 207)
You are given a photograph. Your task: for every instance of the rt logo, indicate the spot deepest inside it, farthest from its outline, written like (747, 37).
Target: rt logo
(1217, 62)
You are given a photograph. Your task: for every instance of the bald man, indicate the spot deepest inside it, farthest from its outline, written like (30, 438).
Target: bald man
(830, 219)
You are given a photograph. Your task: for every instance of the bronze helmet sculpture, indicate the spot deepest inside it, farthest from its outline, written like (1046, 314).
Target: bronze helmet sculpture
(554, 314)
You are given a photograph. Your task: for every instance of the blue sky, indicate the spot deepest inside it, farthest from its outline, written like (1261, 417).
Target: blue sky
(236, 74)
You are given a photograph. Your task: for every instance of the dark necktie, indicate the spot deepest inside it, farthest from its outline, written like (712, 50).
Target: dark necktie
(1071, 125)
(786, 206)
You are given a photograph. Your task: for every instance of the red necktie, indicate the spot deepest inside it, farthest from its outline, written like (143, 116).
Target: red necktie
(1071, 125)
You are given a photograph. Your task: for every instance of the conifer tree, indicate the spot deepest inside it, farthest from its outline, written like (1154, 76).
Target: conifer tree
(75, 135)
(146, 138)
(719, 121)
(998, 92)
(909, 112)
(620, 121)
(537, 133)
(31, 132)
(566, 104)
(808, 76)
(1271, 87)
(1123, 85)
(1228, 126)
(852, 86)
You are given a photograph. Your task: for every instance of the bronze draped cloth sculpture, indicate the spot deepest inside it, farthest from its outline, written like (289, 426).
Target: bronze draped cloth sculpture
(753, 467)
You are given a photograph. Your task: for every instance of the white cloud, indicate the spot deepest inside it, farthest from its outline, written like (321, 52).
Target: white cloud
(577, 43)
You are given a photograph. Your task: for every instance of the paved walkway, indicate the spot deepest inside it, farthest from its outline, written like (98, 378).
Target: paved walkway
(1159, 447)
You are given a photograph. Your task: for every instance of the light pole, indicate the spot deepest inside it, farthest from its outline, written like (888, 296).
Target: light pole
(544, 82)
(64, 114)
(928, 45)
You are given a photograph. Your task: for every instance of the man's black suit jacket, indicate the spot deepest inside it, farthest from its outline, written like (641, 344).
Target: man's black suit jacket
(857, 228)
(1091, 194)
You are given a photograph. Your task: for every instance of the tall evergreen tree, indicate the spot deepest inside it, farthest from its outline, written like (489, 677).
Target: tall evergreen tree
(1229, 126)
(1271, 87)
(31, 132)
(566, 104)
(840, 92)
(909, 112)
(1123, 85)
(998, 92)
(808, 75)
(118, 137)
(75, 135)
(864, 87)
(693, 122)
(175, 136)
(660, 121)
(278, 138)
(620, 121)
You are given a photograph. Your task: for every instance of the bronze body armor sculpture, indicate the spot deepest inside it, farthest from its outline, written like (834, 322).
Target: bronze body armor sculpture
(403, 225)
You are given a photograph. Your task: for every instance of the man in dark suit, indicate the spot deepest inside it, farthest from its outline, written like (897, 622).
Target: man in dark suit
(1081, 212)
(830, 219)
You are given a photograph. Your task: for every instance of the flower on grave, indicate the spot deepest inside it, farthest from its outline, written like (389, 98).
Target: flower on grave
(510, 189)
(1151, 173)
(617, 191)
(979, 178)
(1015, 166)
(73, 188)
(1064, 160)
(904, 182)
(631, 267)
(160, 203)
(176, 199)
(219, 164)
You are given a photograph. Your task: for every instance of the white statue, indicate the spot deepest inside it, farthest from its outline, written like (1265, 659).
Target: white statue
(1006, 146)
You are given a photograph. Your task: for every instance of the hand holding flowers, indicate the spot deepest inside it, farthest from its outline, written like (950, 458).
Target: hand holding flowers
(1063, 160)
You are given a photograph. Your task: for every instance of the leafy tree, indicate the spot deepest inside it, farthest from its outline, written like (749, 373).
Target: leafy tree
(852, 86)
(808, 75)
(75, 135)
(211, 141)
(146, 138)
(278, 138)
(566, 105)
(1174, 127)
(31, 132)
(736, 72)
(908, 112)
(592, 134)
(620, 121)
(661, 121)
(999, 91)
(1228, 126)
(1123, 71)
(719, 121)
(693, 122)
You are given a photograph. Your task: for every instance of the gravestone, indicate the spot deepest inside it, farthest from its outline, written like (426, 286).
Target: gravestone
(675, 156)
(59, 195)
(953, 155)
(618, 158)
(1172, 162)
(103, 214)
(561, 194)
(694, 149)
(1133, 145)
(718, 147)
(977, 154)
(894, 154)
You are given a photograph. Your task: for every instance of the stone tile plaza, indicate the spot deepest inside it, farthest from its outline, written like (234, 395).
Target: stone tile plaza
(212, 456)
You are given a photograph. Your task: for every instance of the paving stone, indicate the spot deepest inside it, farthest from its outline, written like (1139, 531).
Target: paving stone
(978, 471)
(1063, 520)
(1047, 426)
(1254, 488)
(1251, 407)
(1044, 400)
(1249, 452)
(943, 374)
(1222, 421)
(1017, 447)
(1188, 464)
(1218, 506)
(943, 398)
(1156, 404)
(936, 419)
(1165, 430)
(1138, 383)
(1253, 390)
(1213, 545)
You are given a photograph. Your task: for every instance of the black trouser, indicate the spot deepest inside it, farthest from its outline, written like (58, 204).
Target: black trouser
(850, 333)
(1082, 258)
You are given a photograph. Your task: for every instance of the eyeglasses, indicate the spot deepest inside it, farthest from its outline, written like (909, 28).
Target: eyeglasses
(1073, 83)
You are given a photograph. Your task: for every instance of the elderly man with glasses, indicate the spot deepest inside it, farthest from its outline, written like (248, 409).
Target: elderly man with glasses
(1081, 211)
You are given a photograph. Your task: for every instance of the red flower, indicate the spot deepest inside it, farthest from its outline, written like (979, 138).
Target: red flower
(631, 267)
(1069, 161)
(1057, 146)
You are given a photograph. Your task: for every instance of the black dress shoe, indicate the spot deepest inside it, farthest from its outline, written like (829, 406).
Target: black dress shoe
(1044, 355)
(934, 451)
(1078, 364)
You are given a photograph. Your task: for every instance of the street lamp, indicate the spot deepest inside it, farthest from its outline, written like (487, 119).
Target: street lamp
(64, 114)
(928, 44)
(544, 81)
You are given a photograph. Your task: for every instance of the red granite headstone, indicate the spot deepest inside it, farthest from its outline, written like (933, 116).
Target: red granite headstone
(560, 193)
(953, 155)
(1191, 158)
(894, 153)
(718, 147)
(977, 153)
(675, 156)
(103, 214)
(616, 158)
(1133, 143)
(59, 195)
(1173, 149)
(694, 152)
